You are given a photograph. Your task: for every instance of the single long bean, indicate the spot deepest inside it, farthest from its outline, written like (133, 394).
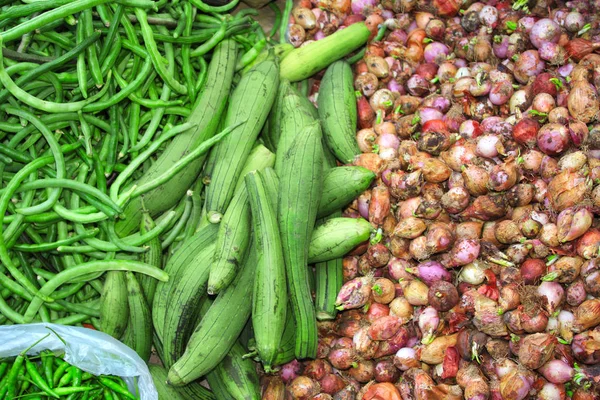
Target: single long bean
(183, 162)
(152, 49)
(139, 160)
(212, 9)
(212, 42)
(56, 153)
(86, 269)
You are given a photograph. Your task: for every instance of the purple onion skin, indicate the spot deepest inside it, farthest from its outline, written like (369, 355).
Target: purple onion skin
(431, 271)
(553, 139)
(557, 371)
(552, 293)
(544, 30)
(436, 53)
(576, 293)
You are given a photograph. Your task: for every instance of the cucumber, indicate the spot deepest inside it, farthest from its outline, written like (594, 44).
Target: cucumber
(218, 330)
(299, 195)
(272, 135)
(305, 61)
(140, 319)
(114, 308)
(193, 391)
(287, 345)
(295, 115)
(184, 304)
(236, 375)
(329, 275)
(232, 243)
(269, 298)
(182, 257)
(336, 237)
(153, 256)
(341, 186)
(260, 158)
(205, 114)
(329, 278)
(250, 102)
(337, 111)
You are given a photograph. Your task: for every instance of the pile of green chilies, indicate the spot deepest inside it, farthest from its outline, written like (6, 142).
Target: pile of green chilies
(91, 91)
(48, 376)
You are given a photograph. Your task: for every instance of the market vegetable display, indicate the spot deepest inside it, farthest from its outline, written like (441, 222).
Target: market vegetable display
(396, 200)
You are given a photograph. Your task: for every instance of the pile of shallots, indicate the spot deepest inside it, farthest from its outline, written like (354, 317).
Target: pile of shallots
(482, 121)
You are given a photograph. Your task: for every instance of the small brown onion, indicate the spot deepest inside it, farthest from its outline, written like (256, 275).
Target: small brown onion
(535, 350)
(573, 223)
(367, 83)
(588, 245)
(587, 315)
(304, 17)
(583, 102)
(296, 35)
(415, 292)
(400, 307)
(410, 228)
(567, 189)
(572, 161)
(377, 66)
(303, 388)
(442, 296)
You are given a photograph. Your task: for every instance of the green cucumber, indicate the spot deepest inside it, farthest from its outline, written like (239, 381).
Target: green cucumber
(206, 115)
(184, 304)
(299, 195)
(337, 111)
(250, 102)
(114, 308)
(305, 61)
(295, 115)
(180, 259)
(269, 298)
(341, 186)
(232, 243)
(140, 319)
(218, 330)
(336, 237)
(236, 375)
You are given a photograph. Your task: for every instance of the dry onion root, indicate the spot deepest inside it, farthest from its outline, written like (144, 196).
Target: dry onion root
(481, 120)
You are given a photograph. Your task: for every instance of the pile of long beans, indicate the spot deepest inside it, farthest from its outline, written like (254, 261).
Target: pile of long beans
(91, 91)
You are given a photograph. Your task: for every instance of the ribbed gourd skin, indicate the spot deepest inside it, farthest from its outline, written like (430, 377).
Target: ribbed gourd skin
(299, 195)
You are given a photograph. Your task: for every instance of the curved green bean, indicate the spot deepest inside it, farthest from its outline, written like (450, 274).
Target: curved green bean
(90, 268)
(47, 106)
(181, 163)
(152, 49)
(46, 18)
(140, 159)
(36, 248)
(212, 9)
